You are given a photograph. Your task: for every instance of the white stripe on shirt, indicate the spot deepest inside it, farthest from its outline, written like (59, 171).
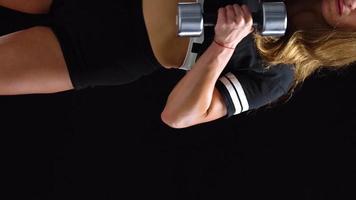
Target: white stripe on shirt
(233, 94)
(240, 91)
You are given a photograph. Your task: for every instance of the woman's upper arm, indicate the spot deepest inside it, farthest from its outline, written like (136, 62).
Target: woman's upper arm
(216, 110)
(247, 91)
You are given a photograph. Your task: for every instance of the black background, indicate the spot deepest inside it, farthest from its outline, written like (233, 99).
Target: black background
(109, 143)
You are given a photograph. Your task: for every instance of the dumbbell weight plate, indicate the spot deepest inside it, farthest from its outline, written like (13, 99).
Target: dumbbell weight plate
(190, 20)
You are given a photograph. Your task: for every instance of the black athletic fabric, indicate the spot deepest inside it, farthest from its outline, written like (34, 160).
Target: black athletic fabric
(104, 43)
(12, 21)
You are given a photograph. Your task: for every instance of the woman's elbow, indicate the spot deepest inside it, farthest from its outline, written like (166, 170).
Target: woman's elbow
(173, 121)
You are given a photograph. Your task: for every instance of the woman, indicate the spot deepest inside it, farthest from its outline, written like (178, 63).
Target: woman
(78, 44)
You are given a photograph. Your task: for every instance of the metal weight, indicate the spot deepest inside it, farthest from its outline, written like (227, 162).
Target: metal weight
(274, 19)
(190, 19)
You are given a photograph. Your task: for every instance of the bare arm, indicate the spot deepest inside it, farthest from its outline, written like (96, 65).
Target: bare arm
(195, 99)
(195, 95)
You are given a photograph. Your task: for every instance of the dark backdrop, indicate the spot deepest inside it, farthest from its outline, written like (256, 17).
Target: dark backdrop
(109, 143)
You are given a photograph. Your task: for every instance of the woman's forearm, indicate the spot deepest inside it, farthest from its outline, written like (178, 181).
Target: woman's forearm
(192, 96)
(190, 101)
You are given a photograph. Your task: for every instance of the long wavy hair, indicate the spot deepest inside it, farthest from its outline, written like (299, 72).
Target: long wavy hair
(309, 50)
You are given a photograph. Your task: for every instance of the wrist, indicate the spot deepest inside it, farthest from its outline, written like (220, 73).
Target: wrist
(215, 57)
(223, 45)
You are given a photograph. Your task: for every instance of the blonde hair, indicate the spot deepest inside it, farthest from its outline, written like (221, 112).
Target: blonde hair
(309, 51)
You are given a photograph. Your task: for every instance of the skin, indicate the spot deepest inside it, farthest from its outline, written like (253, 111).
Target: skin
(321, 14)
(31, 60)
(347, 21)
(162, 32)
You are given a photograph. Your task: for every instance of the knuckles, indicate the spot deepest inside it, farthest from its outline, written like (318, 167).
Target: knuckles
(239, 21)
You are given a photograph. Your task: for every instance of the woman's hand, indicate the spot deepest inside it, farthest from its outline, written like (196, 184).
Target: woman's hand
(233, 24)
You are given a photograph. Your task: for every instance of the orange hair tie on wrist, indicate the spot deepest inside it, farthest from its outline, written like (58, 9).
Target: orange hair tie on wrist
(223, 45)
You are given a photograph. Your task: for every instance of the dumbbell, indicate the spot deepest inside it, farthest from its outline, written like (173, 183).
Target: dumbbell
(269, 18)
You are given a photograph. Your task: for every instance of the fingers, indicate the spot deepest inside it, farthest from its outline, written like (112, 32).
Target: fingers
(234, 23)
(233, 13)
(221, 16)
(247, 15)
(236, 14)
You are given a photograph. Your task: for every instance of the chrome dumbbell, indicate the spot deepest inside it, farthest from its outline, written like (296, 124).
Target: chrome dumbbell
(270, 19)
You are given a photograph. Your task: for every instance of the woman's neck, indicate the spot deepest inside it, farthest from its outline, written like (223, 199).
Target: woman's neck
(305, 14)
